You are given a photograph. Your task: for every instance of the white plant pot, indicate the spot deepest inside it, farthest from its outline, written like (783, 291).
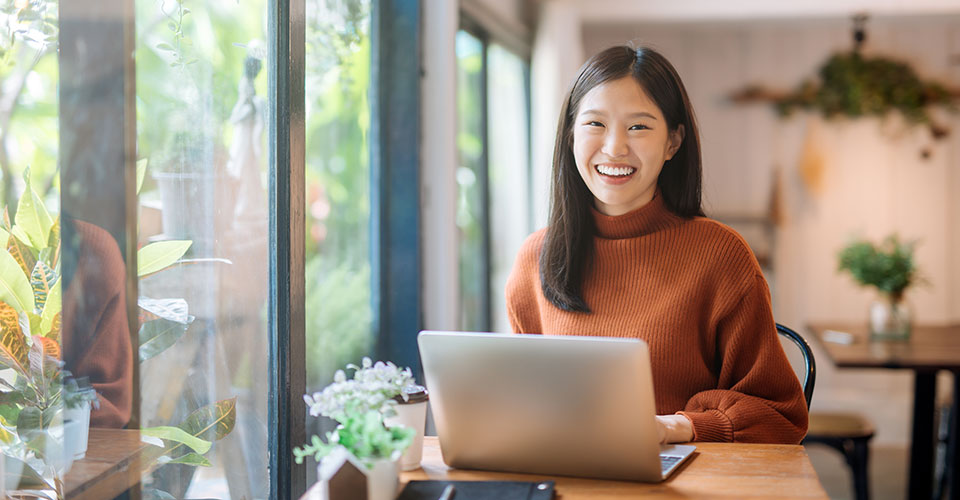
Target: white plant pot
(57, 450)
(411, 416)
(76, 436)
(383, 480)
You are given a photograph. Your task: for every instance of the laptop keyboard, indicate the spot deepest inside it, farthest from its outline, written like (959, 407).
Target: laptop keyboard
(667, 461)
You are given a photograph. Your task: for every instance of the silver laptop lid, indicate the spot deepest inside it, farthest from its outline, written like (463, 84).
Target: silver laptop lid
(579, 406)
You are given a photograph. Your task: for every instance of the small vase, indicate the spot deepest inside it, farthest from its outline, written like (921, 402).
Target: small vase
(76, 438)
(411, 414)
(890, 318)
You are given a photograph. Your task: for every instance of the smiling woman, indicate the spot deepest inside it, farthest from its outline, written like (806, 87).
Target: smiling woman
(628, 253)
(620, 142)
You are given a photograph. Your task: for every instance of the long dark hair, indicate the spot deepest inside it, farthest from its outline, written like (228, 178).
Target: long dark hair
(568, 244)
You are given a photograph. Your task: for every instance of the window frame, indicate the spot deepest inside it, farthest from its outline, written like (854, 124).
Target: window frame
(475, 28)
(395, 193)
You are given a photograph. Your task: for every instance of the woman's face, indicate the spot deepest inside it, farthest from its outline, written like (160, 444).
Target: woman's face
(620, 142)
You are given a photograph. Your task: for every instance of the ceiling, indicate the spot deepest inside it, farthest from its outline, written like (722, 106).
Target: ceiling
(619, 11)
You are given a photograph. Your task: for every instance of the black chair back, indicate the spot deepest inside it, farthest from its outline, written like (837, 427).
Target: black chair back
(810, 364)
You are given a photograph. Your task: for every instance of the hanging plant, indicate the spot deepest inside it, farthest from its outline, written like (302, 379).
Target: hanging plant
(856, 86)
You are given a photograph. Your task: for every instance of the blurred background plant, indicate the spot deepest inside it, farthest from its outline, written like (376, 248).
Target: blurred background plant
(888, 266)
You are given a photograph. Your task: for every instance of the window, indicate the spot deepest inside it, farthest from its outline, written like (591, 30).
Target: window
(186, 144)
(201, 140)
(493, 203)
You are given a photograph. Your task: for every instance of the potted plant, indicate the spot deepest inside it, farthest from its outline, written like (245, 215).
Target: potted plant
(361, 407)
(890, 268)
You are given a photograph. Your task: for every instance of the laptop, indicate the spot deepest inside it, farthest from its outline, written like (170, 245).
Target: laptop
(555, 405)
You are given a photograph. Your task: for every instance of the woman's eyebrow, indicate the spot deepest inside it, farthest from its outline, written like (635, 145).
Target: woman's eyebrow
(638, 114)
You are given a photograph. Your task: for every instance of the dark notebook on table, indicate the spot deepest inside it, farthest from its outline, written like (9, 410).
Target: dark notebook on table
(479, 490)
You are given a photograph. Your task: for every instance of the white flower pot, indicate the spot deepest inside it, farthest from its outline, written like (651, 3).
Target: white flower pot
(383, 480)
(76, 435)
(411, 416)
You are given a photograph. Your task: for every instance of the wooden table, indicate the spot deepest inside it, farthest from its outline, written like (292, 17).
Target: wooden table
(112, 465)
(929, 349)
(717, 470)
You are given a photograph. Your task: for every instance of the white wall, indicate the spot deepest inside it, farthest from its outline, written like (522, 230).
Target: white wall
(873, 180)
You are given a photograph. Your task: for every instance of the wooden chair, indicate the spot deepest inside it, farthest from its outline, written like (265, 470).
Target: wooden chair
(848, 433)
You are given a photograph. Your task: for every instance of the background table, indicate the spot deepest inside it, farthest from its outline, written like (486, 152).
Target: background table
(929, 349)
(717, 470)
(112, 465)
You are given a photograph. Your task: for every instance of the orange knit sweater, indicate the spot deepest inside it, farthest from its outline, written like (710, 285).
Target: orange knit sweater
(692, 289)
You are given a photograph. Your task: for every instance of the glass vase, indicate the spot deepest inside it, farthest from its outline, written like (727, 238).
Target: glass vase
(890, 319)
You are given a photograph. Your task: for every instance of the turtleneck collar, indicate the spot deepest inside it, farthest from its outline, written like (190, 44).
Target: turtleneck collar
(645, 220)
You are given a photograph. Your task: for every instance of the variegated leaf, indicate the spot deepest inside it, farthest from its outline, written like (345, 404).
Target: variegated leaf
(53, 332)
(214, 421)
(22, 254)
(44, 358)
(169, 309)
(13, 344)
(42, 280)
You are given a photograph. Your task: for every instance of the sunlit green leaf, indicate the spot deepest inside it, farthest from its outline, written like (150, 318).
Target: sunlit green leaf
(32, 216)
(51, 309)
(15, 289)
(192, 459)
(180, 436)
(157, 256)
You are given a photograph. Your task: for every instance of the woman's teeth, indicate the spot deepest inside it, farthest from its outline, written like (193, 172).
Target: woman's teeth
(615, 171)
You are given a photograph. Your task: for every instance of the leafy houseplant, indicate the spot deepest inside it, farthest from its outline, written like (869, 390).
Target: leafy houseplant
(889, 267)
(359, 406)
(350, 402)
(36, 393)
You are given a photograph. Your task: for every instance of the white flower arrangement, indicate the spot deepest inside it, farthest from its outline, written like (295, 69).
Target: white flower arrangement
(374, 387)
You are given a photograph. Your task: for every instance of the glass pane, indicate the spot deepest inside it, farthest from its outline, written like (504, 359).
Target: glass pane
(33, 429)
(339, 313)
(470, 171)
(509, 171)
(201, 132)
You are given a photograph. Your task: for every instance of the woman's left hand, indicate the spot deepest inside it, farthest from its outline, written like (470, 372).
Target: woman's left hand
(674, 429)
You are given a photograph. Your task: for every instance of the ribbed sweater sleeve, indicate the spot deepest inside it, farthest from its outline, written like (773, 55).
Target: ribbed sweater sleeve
(96, 338)
(757, 398)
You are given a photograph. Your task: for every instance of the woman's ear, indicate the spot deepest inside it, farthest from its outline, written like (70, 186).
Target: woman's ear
(676, 139)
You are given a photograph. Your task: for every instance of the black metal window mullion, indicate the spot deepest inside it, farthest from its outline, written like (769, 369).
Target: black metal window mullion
(287, 363)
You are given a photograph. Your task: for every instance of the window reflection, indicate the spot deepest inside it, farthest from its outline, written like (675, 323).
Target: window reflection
(204, 220)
